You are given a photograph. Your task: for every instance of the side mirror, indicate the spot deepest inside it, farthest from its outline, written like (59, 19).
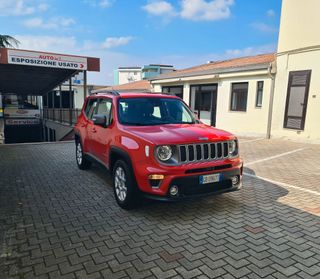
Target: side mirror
(99, 119)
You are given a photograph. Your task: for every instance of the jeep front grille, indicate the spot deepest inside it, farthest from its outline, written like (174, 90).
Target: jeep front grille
(203, 152)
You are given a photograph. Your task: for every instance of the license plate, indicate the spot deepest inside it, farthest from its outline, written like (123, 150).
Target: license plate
(210, 178)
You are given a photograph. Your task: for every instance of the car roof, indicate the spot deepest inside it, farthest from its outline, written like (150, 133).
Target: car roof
(132, 94)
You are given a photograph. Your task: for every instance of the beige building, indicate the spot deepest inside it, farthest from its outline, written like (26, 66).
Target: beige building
(125, 75)
(296, 110)
(232, 95)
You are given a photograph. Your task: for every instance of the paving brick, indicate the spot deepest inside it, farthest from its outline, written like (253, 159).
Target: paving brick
(163, 274)
(71, 227)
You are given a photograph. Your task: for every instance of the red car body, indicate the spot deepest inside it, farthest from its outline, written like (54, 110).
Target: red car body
(137, 145)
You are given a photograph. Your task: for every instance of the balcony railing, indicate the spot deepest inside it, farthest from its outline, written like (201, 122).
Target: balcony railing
(61, 115)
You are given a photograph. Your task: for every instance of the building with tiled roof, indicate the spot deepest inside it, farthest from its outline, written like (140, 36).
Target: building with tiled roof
(136, 86)
(229, 94)
(230, 65)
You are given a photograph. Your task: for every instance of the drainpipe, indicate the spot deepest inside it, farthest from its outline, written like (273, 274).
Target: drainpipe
(270, 113)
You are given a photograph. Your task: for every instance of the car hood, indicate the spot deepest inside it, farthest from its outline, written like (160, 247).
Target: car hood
(178, 133)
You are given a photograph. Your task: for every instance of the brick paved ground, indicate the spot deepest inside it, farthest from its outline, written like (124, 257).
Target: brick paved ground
(59, 222)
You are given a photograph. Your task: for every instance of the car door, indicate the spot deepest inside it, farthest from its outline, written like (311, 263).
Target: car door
(89, 126)
(101, 138)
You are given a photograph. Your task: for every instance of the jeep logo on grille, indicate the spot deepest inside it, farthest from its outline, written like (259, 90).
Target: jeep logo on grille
(203, 138)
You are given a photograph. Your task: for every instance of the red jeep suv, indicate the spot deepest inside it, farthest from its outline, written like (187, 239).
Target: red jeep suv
(154, 146)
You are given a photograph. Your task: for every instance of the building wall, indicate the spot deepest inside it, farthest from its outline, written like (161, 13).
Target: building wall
(298, 50)
(78, 96)
(254, 121)
(299, 26)
(296, 62)
(126, 76)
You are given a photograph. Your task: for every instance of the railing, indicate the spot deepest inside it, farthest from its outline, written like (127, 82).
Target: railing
(61, 115)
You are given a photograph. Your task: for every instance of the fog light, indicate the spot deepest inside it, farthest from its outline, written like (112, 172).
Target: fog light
(234, 180)
(174, 190)
(156, 176)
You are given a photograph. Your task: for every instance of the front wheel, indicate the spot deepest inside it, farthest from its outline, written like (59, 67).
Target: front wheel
(82, 161)
(124, 185)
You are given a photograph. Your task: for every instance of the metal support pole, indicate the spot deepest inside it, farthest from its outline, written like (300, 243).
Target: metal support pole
(85, 86)
(52, 98)
(70, 93)
(60, 105)
(70, 100)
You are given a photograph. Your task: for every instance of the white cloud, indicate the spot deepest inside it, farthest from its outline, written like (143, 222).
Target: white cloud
(159, 8)
(113, 42)
(198, 10)
(271, 13)
(195, 10)
(105, 3)
(100, 3)
(21, 7)
(264, 28)
(250, 51)
(52, 23)
(48, 43)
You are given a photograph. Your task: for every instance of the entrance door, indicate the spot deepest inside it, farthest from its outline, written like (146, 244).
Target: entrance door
(203, 100)
(297, 99)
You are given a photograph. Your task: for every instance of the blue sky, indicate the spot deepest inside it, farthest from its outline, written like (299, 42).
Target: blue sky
(182, 33)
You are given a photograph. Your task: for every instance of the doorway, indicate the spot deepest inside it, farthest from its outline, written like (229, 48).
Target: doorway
(203, 101)
(297, 99)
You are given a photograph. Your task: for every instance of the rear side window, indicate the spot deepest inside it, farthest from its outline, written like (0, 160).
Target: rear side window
(105, 107)
(90, 108)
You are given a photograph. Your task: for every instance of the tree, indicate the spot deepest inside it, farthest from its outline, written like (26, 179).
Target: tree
(8, 41)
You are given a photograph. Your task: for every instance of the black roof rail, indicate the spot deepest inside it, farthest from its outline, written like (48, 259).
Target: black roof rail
(103, 91)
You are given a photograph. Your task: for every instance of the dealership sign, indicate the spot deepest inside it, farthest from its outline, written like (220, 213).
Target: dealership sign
(18, 122)
(21, 113)
(41, 59)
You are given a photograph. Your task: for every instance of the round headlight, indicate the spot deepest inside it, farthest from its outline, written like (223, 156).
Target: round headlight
(232, 147)
(164, 152)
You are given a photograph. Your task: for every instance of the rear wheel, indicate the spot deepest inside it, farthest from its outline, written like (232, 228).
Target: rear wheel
(124, 185)
(82, 160)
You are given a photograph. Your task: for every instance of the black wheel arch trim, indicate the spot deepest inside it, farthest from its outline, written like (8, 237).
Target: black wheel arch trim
(77, 136)
(123, 154)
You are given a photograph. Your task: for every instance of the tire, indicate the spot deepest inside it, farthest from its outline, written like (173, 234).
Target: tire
(82, 160)
(125, 187)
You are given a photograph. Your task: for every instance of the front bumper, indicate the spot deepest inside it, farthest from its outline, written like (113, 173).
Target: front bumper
(190, 187)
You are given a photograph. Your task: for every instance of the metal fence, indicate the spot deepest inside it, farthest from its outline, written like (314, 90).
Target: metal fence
(61, 115)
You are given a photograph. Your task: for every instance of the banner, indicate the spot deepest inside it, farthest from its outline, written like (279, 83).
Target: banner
(40, 59)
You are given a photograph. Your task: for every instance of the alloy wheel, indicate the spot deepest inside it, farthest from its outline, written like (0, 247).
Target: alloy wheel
(79, 153)
(120, 184)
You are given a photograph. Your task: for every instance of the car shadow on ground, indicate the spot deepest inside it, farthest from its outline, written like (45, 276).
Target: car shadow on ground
(209, 204)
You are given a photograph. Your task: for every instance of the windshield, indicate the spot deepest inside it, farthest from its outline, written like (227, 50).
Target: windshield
(153, 111)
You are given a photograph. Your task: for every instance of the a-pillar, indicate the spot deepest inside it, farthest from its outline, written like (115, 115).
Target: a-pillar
(85, 86)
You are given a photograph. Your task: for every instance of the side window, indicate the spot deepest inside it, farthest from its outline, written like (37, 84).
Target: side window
(90, 108)
(239, 95)
(259, 94)
(104, 107)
